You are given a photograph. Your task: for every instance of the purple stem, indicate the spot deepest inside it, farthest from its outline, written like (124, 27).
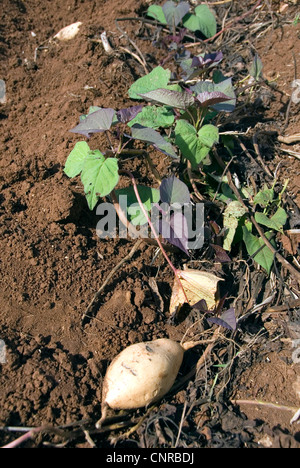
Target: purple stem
(15, 443)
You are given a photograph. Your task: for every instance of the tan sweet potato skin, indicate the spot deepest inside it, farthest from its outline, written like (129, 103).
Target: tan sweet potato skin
(142, 374)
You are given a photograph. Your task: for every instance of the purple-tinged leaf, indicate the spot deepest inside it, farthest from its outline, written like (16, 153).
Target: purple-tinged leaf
(91, 110)
(224, 87)
(226, 320)
(174, 13)
(173, 190)
(215, 227)
(154, 138)
(207, 99)
(198, 64)
(129, 113)
(175, 38)
(201, 306)
(221, 254)
(206, 60)
(95, 122)
(175, 231)
(168, 97)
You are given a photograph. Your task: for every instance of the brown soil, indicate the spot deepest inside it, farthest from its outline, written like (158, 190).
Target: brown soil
(52, 262)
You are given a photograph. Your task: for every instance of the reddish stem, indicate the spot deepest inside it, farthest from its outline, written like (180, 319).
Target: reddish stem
(29, 435)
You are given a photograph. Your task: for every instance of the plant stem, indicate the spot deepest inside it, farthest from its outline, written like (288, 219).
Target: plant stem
(29, 435)
(200, 119)
(109, 140)
(191, 117)
(131, 229)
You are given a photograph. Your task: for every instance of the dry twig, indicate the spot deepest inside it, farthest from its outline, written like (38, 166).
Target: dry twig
(270, 405)
(291, 153)
(259, 157)
(289, 140)
(139, 56)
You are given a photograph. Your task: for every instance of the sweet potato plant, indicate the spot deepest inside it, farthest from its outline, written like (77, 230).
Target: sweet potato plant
(177, 116)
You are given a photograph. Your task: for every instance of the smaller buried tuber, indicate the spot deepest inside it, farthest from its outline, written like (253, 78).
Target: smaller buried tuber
(140, 375)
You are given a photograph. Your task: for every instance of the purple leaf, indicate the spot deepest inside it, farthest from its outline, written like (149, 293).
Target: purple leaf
(168, 97)
(173, 190)
(215, 227)
(207, 60)
(175, 231)
(207, 99)
(174, 13)
(198, 64)
(226, 320)
(125, 115)
(201, 306)
(95, 122)
(221, 255)
(154, 138)
(177, 38)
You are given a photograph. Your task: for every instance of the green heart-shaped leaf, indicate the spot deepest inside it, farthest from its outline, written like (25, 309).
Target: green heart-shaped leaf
(76, 158)
(99, 176)
(157, 78)
(265, 256)
(195, 146)
(203, 20)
